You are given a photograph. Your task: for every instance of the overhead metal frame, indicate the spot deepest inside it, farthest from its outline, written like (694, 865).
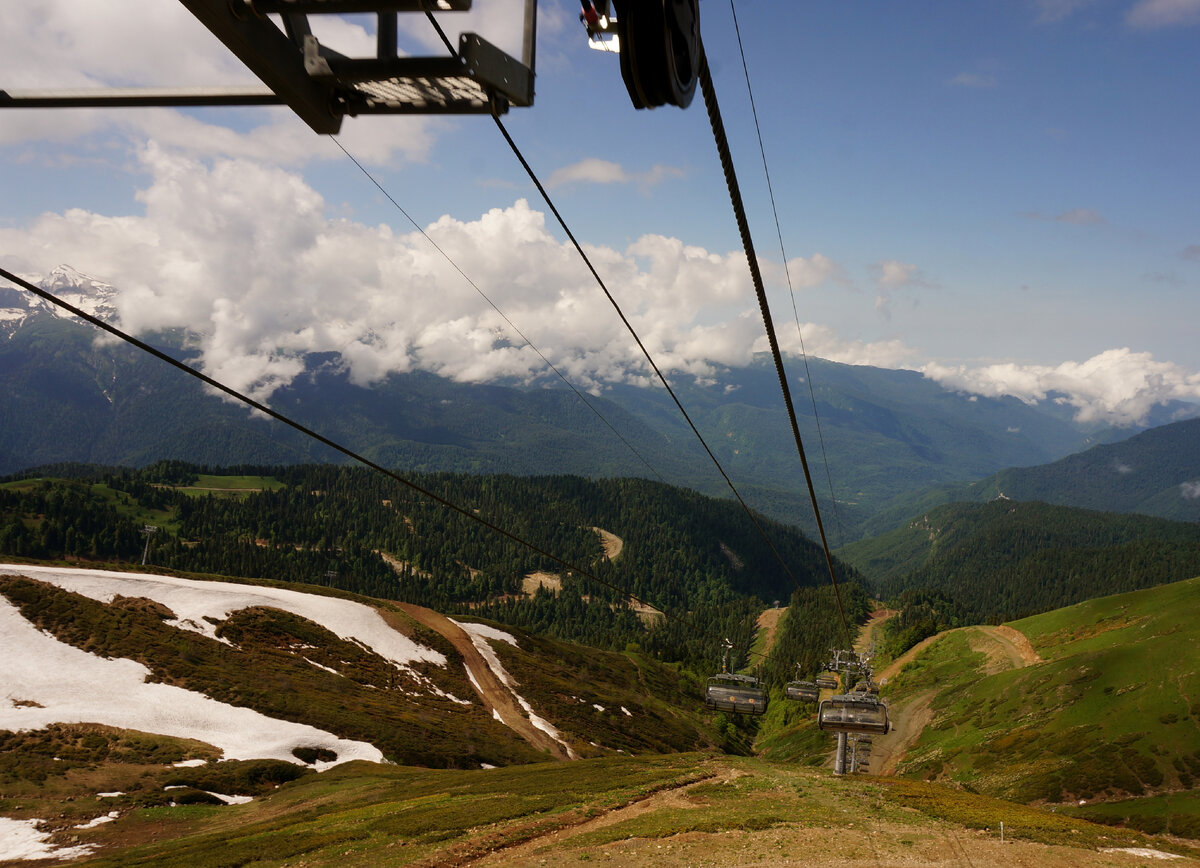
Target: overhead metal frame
(323, 86)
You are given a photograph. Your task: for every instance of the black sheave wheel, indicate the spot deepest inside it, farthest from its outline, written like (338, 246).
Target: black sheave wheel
(660, 50)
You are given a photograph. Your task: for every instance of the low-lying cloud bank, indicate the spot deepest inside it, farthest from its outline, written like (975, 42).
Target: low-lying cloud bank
(1117, 386)
(249, 258)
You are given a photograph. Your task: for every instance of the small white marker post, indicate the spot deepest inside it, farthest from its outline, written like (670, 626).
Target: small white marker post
(1001, 831)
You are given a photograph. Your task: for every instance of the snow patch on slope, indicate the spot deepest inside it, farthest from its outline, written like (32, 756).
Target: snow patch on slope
(193, 601)
(72, 686)
(480, 634)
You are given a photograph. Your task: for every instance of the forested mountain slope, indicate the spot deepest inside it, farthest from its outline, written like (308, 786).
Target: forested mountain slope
(352, 528)
(1154, 472)
(1005, 559)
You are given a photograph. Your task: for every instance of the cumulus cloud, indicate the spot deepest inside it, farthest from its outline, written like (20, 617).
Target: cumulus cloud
(1190, 490)
(1154, 14)
(890, 275)
(261, 292)
(1119, 386)
(596, 171)
(78, 44)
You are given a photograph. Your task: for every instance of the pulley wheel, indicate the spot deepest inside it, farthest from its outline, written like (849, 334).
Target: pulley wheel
(660, 50)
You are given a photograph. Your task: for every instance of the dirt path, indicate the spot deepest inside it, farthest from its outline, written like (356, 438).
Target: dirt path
(871, 630)
(909, 719)
(1015, 644)
(613, 545)
(1005, 647)
(674, 799)
(769, 621)
(494, 694)
(893, 668)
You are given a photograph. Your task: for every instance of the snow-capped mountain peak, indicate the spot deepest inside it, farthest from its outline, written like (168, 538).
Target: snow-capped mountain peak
(72, 286)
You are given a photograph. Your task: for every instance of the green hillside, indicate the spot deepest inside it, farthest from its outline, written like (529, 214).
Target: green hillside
(1155, 472)
(1005, 559)
(1109, 716)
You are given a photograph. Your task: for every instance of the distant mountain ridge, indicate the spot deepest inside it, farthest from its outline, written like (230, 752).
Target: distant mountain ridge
(886, 433)
(1155, 472)
(1007, 559)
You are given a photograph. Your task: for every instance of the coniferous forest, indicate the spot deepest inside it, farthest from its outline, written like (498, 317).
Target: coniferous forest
(699, 561)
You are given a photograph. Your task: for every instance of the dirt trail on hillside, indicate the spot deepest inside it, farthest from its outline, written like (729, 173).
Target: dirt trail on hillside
(674, 799)
(1005, 647)
(612, 544)
(494, 694)
(1016, 645)
(909, 720)
(871, 630)
(769, 621)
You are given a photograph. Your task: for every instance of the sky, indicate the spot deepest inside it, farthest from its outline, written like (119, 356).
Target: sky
(1001, 195)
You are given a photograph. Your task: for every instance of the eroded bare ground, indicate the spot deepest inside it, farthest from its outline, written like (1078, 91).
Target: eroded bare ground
(492, 692)
(909, 719)
(611, 543)
(769, 621)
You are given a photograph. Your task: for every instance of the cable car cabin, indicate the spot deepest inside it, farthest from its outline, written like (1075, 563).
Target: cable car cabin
(853, 714)
(738, 693)
(803, 691)
(827, 681)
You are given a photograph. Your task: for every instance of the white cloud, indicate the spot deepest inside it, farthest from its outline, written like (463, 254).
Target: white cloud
(1119, 386)
(596, 171)
(890, 275)
(261, 293)
(59, 44)
(1153, 14)
(1122, 468)
(1190, 490)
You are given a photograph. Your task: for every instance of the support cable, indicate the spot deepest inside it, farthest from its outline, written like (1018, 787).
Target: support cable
(628, 325)
(349, 453)
(332, 444)
(739, 211)
(502, 314)
(788, 273)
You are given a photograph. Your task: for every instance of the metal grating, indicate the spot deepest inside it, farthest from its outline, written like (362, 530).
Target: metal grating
(412, 95)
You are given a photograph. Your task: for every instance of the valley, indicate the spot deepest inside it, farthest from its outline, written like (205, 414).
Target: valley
(573, 675)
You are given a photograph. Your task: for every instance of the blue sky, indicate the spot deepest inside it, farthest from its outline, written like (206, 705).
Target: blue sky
(999, 194)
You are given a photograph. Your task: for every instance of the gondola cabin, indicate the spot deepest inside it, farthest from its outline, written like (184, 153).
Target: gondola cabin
(738, 693)
(853, 714)
(803, 691)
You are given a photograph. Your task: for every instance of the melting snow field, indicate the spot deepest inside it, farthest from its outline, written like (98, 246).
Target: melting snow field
(479, 634)
(58, 683)
(192, 601)
(20, 839)
(73, 686)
